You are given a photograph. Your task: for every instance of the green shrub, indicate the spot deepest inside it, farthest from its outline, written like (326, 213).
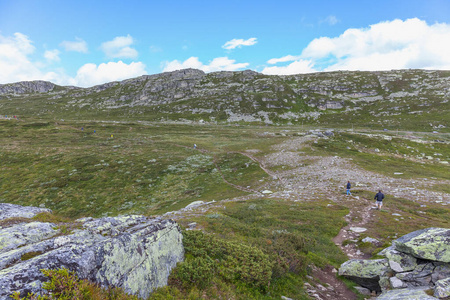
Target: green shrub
(65, 285)
(208, 256)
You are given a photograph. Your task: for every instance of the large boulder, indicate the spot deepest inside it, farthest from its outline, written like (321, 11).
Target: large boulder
(366, 273)
(431, 244)
(414, 263)
(135, 253)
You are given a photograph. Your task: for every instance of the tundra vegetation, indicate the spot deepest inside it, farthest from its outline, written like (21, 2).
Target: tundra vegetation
(87, 157)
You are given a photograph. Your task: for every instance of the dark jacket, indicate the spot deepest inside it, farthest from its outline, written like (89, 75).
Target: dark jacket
(348, 185)
(379, 196)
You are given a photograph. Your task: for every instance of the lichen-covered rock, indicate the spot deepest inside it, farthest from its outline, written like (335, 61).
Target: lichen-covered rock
(405, 294)
(366, 273)
(441, 271)
(400, 262)
(420, 276)
(8, 211)
(25, 233)
(132, 252)
(442, 288)
(431, 244)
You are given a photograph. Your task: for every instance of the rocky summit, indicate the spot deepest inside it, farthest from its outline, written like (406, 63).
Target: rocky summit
(245, 96)
(414, 264)
(133, 252)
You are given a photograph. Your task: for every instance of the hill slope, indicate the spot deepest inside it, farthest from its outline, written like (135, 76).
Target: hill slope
(409, 99)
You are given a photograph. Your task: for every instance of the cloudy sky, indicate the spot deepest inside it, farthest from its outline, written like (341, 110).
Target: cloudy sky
(85, 43)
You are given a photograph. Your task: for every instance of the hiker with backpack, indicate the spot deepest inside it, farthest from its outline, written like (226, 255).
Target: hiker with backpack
(379, 197)
(349, 186)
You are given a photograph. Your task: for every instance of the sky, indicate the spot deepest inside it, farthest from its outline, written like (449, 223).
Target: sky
(85, 43)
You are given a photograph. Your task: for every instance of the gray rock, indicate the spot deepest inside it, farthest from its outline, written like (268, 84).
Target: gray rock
(362, 290)
(401, 262)
(24, 234)
(441, 271)
(442, 288)
(397, 283)
(405, 294)
(328, 133)
(420, 276)
(366, 273)
(8, 211)
(431, 244)
(131, 252)
(370, 240)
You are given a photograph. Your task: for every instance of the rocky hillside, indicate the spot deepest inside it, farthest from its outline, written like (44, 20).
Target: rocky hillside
(389, 97)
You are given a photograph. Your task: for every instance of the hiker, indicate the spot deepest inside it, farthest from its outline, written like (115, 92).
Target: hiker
(349, 186)
(379, 197)
(195, 146)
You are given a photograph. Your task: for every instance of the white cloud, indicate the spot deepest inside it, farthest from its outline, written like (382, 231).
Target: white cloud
(330, 20)
(91, 74)
(119, 47)
(15, 64)
(77, 46)
(296, 67)
(217, 64)
(387, 45)
(238, 43)
(283, 59)
(52, 55)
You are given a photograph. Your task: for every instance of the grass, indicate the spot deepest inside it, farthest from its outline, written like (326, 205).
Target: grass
(152, 168)
(142, 169)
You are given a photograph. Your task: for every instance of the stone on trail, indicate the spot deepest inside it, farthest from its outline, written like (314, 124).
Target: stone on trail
(370, 240)
(358, 229)
(431, 244)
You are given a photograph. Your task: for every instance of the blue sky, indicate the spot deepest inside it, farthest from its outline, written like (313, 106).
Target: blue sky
(91, 42)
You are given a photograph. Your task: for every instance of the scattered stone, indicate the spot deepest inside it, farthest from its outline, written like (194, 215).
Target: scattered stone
(358, 229)
(267, 192)
(396, 214)
(398, 173)
(370, 240)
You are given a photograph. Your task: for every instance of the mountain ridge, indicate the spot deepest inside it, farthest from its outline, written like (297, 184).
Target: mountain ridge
(242, 96)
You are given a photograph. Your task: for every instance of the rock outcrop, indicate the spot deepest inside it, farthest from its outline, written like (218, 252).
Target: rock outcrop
(132, 252)
(415, 264)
